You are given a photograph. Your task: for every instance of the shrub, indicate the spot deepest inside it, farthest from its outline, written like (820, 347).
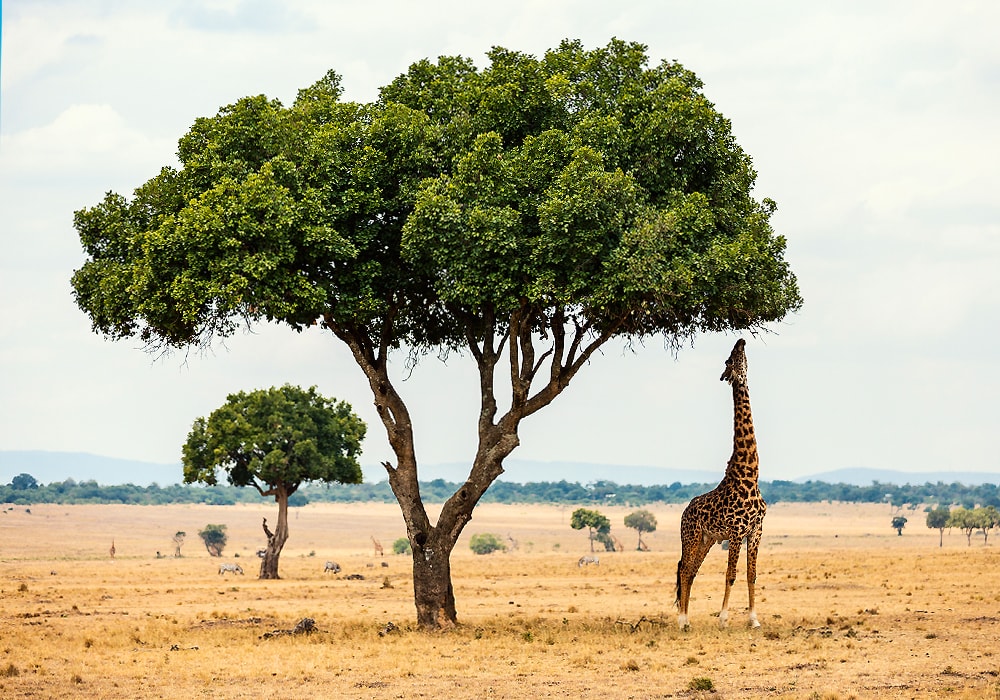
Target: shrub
(401, 546)
(701, 684)
(484, 543)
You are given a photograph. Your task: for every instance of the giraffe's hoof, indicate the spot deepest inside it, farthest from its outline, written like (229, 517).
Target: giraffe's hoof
(753, 622)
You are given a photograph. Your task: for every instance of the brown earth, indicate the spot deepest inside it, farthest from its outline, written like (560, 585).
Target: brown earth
(849, 609)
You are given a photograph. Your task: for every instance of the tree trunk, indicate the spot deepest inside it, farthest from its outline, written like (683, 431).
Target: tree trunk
(432, 590)
(275, 540)
(432, 544)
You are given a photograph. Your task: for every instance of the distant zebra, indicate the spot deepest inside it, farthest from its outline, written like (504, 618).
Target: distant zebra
(589, 560)
(331, 566)
(234, 568)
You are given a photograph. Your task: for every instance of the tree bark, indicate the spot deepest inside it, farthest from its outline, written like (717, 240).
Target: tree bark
(275, 540)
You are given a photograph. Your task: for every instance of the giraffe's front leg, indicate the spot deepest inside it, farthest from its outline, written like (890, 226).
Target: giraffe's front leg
(734, 558)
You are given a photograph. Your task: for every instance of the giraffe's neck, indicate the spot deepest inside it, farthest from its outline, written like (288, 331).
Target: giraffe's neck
(743, 465)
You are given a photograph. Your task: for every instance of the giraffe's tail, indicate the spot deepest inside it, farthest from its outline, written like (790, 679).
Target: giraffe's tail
(677, 600)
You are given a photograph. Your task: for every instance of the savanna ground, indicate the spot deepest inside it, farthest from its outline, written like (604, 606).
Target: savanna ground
(848, 609)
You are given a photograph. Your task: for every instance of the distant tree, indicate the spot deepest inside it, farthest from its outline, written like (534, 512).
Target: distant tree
(596, 523)
(965, 520)
(401, 546)
(898, 523)
(486, 543)
(23, 482)
(178, 542)
(641, 521)
(274, 440)
(988, 518)
(215, 538)
(938, 519)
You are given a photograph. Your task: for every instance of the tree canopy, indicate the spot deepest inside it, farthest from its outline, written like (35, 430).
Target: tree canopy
(274, 439)
(524, 213)
(584, 187)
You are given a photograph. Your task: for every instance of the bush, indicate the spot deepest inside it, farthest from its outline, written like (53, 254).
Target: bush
(486, 543)
(401, 546)
(701, 684)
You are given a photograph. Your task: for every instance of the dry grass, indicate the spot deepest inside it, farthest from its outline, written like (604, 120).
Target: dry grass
(849, 610)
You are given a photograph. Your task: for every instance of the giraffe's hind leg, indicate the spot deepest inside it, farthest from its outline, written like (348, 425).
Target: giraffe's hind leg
(693, 552)
(753, 545)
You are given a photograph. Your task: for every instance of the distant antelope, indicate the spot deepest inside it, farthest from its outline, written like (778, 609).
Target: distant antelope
(587, 560)
(331, 566)
(233, 568)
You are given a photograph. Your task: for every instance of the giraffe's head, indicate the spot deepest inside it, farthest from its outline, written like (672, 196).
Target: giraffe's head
(736, 365)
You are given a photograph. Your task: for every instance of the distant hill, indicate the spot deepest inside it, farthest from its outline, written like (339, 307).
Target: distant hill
(860, 476)
(48, 467)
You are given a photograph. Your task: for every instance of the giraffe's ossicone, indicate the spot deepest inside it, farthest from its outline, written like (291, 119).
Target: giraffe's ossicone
(733, 510)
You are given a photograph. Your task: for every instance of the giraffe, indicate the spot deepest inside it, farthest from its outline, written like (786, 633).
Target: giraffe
(112, 550)
(378, 546)
(733, 511)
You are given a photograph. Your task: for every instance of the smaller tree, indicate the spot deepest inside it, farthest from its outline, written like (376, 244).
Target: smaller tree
(275, 440)
(178, 539)
(898, 523)
(215, 538)
(485, 543)
(596, 523)
(965, 520)
(641, 521)
(401, 546)
(938, 519)
(988, 518)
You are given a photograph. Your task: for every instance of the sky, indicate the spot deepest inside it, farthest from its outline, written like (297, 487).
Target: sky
(872, 125)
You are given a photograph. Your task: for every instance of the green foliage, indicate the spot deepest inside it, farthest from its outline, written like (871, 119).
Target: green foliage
(274, 440)
(215, 539)
(581, 186)
(701, 684)
(439, 490)
(23, 482)
(970, 520)
(598, 527)
(486, 543)
(401, 546)
(937, 518)
(641, 520)
(592, 519)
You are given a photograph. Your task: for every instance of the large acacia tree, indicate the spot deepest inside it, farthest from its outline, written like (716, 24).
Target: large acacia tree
(275, 440)
(523, 214)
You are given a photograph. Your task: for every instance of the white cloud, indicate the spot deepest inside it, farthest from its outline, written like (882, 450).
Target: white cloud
(84, 140)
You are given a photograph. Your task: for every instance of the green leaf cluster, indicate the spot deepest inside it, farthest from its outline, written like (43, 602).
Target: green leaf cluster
(641, 520)
(276, 438)
(583, 517)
